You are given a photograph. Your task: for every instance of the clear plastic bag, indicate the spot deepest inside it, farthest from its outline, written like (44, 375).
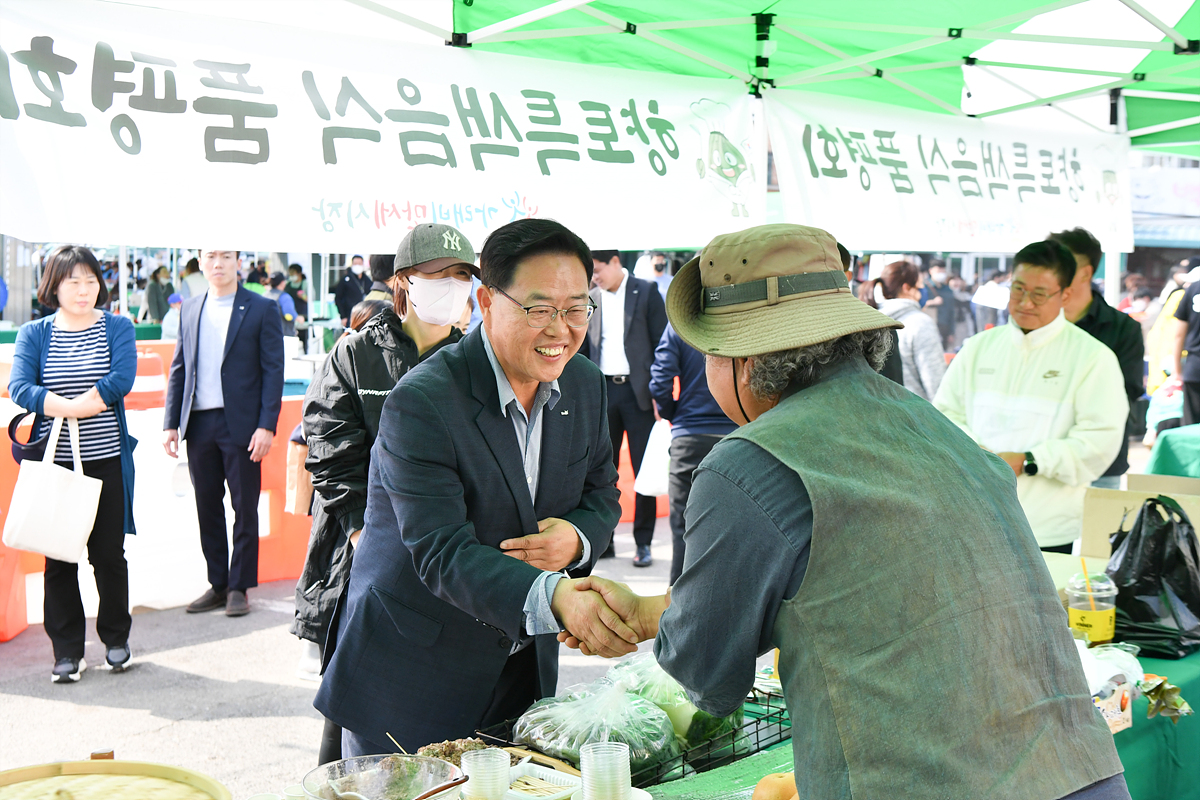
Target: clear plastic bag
(644, 677)
(602, 712)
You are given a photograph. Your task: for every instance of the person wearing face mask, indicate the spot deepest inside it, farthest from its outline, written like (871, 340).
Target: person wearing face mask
(429, 285)
(351, 289)
(158, 290)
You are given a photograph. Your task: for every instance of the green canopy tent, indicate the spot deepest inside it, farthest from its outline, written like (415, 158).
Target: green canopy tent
(899, 53)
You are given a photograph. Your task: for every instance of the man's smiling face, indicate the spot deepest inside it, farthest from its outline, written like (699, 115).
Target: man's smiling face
(536, 355)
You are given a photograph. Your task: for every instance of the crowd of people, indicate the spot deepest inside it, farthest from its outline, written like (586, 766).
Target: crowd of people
(464, 465)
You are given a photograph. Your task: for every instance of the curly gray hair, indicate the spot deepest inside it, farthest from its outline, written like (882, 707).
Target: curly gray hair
(771, 373)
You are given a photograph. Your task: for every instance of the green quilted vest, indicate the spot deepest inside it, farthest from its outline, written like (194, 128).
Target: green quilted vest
(926, 654)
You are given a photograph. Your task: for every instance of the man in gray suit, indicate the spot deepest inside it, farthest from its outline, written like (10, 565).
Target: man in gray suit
(491, 476)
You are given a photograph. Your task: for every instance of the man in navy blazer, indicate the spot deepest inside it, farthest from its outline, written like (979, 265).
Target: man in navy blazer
(491, 476)
(223, 397)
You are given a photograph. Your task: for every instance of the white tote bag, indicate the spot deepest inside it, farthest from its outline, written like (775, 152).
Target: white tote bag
(654, 477)
(53, 508)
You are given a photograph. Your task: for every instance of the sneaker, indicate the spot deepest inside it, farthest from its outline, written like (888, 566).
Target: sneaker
(236, 605)
(643, 557)
(211, 600)
(67, 670)
(118, 657)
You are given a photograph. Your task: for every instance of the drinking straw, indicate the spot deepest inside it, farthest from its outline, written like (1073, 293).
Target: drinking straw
(1088, 582)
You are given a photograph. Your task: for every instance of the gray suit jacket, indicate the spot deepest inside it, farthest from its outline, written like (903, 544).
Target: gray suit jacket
(433, 606)
(645, 320)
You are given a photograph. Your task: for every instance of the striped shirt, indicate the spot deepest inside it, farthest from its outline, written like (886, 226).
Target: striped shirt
(77, 360)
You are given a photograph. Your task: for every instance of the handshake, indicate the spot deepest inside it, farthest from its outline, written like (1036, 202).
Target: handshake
(605, 618)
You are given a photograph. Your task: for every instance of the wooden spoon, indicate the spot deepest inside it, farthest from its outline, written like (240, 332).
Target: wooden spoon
(442, 788)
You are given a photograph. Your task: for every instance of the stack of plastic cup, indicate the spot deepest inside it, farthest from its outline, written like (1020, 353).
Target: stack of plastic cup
(605, 768)
(488, 771)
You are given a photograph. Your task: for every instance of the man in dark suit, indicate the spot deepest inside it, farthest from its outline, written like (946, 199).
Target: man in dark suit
(351, 289)
(622, 336)
(491, 474)
(223, 397)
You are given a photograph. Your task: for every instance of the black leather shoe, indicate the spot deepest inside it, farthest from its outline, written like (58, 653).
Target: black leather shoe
(67, 670)
(209, 601)
(118, 657)
(237, 605)
(643, 557)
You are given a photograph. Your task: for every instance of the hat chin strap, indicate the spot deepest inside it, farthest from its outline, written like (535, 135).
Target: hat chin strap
(736, 393)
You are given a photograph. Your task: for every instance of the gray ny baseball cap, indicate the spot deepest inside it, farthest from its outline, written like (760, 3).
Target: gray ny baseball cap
(433, 247)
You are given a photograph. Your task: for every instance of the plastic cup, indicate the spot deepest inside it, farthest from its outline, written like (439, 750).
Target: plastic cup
(488, 771)
(605, 768)
(295, 792)
(1092, 612)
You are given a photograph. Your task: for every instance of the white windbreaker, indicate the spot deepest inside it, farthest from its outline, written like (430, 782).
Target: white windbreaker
(1055, 392)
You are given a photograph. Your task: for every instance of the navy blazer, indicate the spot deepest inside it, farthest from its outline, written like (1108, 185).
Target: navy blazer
(251, 372)
(645, 320)
(433, 605)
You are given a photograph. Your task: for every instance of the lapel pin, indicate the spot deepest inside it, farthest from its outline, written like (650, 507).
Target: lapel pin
(565, 413)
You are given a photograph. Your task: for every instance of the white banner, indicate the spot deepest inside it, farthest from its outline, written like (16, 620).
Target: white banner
(121, 124)
(886, 178)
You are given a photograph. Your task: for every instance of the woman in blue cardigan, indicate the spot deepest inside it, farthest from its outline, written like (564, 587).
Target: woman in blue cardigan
(81, 363)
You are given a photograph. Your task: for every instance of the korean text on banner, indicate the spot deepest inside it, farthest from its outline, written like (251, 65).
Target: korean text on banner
(934, 182)
(272, 137)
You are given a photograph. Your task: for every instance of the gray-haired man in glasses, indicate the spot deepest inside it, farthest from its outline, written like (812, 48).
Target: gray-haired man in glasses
(491, 477)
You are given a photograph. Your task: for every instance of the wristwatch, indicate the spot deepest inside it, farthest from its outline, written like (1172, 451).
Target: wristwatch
(1030, 467)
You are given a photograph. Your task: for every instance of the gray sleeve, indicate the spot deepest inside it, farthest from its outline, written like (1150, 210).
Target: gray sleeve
(749, 524)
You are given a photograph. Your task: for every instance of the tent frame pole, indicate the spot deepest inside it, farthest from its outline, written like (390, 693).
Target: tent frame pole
(1057, 98)
(412, 22)
(1172, 34)
(654, 38)
(1148, 95)
(485, 33)
(1022, 89)
(1165, 126)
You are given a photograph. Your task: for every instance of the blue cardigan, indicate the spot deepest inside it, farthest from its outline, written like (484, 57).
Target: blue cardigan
(25, 383)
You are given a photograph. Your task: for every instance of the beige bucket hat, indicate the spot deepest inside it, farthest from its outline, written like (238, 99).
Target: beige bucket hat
(764, 289)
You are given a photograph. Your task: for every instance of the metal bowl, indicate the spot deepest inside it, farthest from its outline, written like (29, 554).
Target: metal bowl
(394, 777)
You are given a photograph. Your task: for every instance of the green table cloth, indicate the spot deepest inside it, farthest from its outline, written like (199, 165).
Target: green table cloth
(1176, 452)
(147, 330)
(1162, 760)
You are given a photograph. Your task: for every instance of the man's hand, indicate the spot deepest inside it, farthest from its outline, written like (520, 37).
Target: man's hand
(553, 548)
(171, 442)
(260, 444)
(1016, 461)
(654, 405)
(599, 629)
(640, 613)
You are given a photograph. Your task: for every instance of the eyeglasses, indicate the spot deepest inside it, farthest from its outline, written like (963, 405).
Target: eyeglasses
(544, 316)
(1037, 297)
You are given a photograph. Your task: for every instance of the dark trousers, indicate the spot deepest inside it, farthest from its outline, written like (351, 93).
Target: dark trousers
(63, 609)
(686, 454)
(625, 416)
(214, 459)
(516, 690)
(1191, 403)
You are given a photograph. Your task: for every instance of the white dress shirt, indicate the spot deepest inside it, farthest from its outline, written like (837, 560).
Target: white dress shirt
(612, 330)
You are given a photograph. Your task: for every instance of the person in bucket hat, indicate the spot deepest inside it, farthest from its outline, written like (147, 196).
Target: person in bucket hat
(824, 527)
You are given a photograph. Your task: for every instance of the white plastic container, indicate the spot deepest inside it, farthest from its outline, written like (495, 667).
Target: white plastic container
(569, 783)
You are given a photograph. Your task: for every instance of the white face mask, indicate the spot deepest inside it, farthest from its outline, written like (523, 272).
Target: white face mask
(439, 301)
(357, 269)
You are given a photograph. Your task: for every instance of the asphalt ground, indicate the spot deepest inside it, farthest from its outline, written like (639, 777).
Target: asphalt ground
(212, 693)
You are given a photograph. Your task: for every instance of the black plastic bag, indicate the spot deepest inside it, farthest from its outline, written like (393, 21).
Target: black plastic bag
(1156, 568)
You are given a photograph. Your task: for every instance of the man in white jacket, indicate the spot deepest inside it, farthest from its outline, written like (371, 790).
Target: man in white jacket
(1041, 394)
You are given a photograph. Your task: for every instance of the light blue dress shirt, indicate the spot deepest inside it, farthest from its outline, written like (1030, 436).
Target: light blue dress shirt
(539, 618)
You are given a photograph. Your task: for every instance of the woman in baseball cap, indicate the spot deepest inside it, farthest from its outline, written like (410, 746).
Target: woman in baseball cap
(430, 285)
